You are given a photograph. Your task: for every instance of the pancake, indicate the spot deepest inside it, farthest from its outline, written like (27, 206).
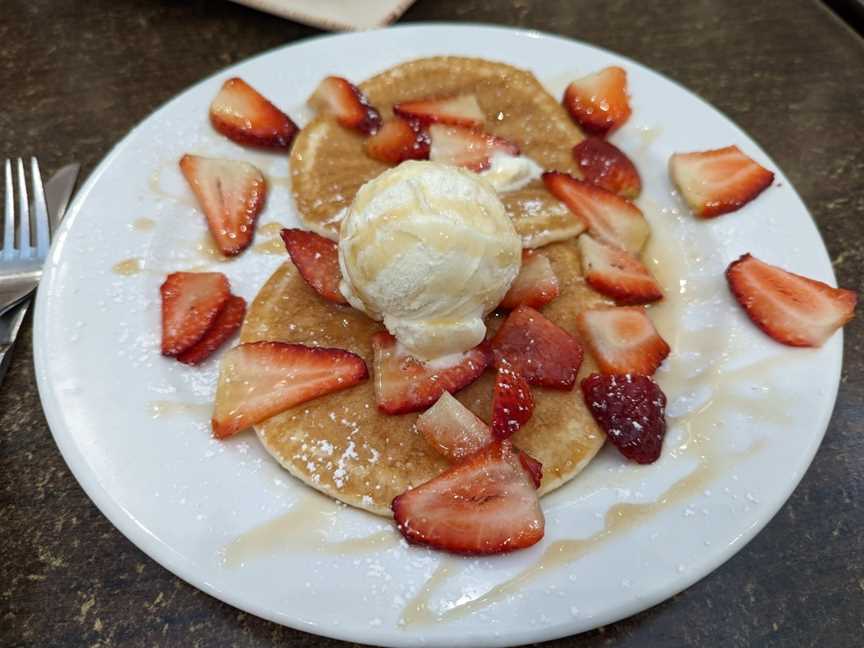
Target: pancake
(341, 445)
(328, 163)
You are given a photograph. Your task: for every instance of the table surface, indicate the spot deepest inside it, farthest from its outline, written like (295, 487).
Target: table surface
(76, 76)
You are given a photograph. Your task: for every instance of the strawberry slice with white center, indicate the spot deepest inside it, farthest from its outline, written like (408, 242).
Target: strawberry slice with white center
(536, 284)
(317, 260)
(794, 310)
(405, 384)
(605, 165)
(231, 195)
(342, 99)
(487, 504)
(242, 114)
(542, 352)
(227, 323)
(191, 301)
(616, 273)
(599, 102)
(397, 141)
(461, 110)
(610, 218)
(719, 181)
(512, 400)
(631, 409)
(465, 147)
(452, 429)
(622, 340)
(258, 380)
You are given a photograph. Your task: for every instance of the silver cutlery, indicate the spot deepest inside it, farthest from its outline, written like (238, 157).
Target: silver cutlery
(57, 192)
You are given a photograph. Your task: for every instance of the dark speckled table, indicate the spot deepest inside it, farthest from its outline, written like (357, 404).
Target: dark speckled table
(75, 76)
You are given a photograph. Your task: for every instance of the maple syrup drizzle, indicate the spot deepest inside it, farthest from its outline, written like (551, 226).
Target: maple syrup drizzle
(128, 267)
(304, 527)
(143, 224)
(160, 408)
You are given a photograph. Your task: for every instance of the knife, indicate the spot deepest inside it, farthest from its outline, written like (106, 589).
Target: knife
(58, 190)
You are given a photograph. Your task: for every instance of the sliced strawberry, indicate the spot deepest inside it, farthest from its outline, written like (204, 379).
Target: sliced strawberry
(261, 379)
(317, 261)
(610, 218)
(512, 400)
(231, 195)
(452, 429)
(405, 384)
(397, 141)
(342, 99)
(533, 467)
(616, 273)
(191, 302)
(631, 410)
(227, 323)
(485, 505)
(240, 113)
(536, 284)
(792, 309)
(545, 354)
(599, 102)
(605, 165)
(622, 340)
(465, 147)
(719, 181)
(462, 110)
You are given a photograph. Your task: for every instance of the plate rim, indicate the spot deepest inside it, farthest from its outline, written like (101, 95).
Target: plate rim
(163, 554)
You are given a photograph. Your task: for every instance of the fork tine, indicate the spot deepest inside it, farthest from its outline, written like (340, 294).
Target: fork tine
(9, 213)
(23, 212)
(43, 236)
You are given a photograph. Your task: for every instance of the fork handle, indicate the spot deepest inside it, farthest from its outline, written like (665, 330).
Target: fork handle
(10, 325)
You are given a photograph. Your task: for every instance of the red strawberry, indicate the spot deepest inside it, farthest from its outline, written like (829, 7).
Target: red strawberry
(342, 99)
(631, 410)
(462, 110)
(622, 340)
(544, 353)
(792, 309)
(240, 113)
(605, 165)
(717, 182)
(398, 141)
(452, 429)
(485, 505)
(616, 273)
(227, 322)
(598, 102)
(317, 261)
(404, 384)
(533, 467)
(512, 400)
(231, 195)
(191, 301)
(465, 147)
(261, 379)
(536, 284)
(610, 218)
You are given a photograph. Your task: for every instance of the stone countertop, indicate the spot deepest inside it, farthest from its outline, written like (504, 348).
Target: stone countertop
(76, 76)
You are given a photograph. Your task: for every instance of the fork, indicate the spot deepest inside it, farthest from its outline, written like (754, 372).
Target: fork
(20, 261)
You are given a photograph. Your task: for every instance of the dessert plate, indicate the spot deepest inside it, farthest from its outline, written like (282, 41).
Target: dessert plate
(746, 415)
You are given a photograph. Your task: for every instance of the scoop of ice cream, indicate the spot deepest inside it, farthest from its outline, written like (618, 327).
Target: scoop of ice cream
(430, 250)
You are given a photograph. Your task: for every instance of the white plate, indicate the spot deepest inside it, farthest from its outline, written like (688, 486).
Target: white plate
(746, 414)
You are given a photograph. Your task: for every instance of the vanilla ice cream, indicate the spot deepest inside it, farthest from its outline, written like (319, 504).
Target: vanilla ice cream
(429, 250)
(510, 172)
